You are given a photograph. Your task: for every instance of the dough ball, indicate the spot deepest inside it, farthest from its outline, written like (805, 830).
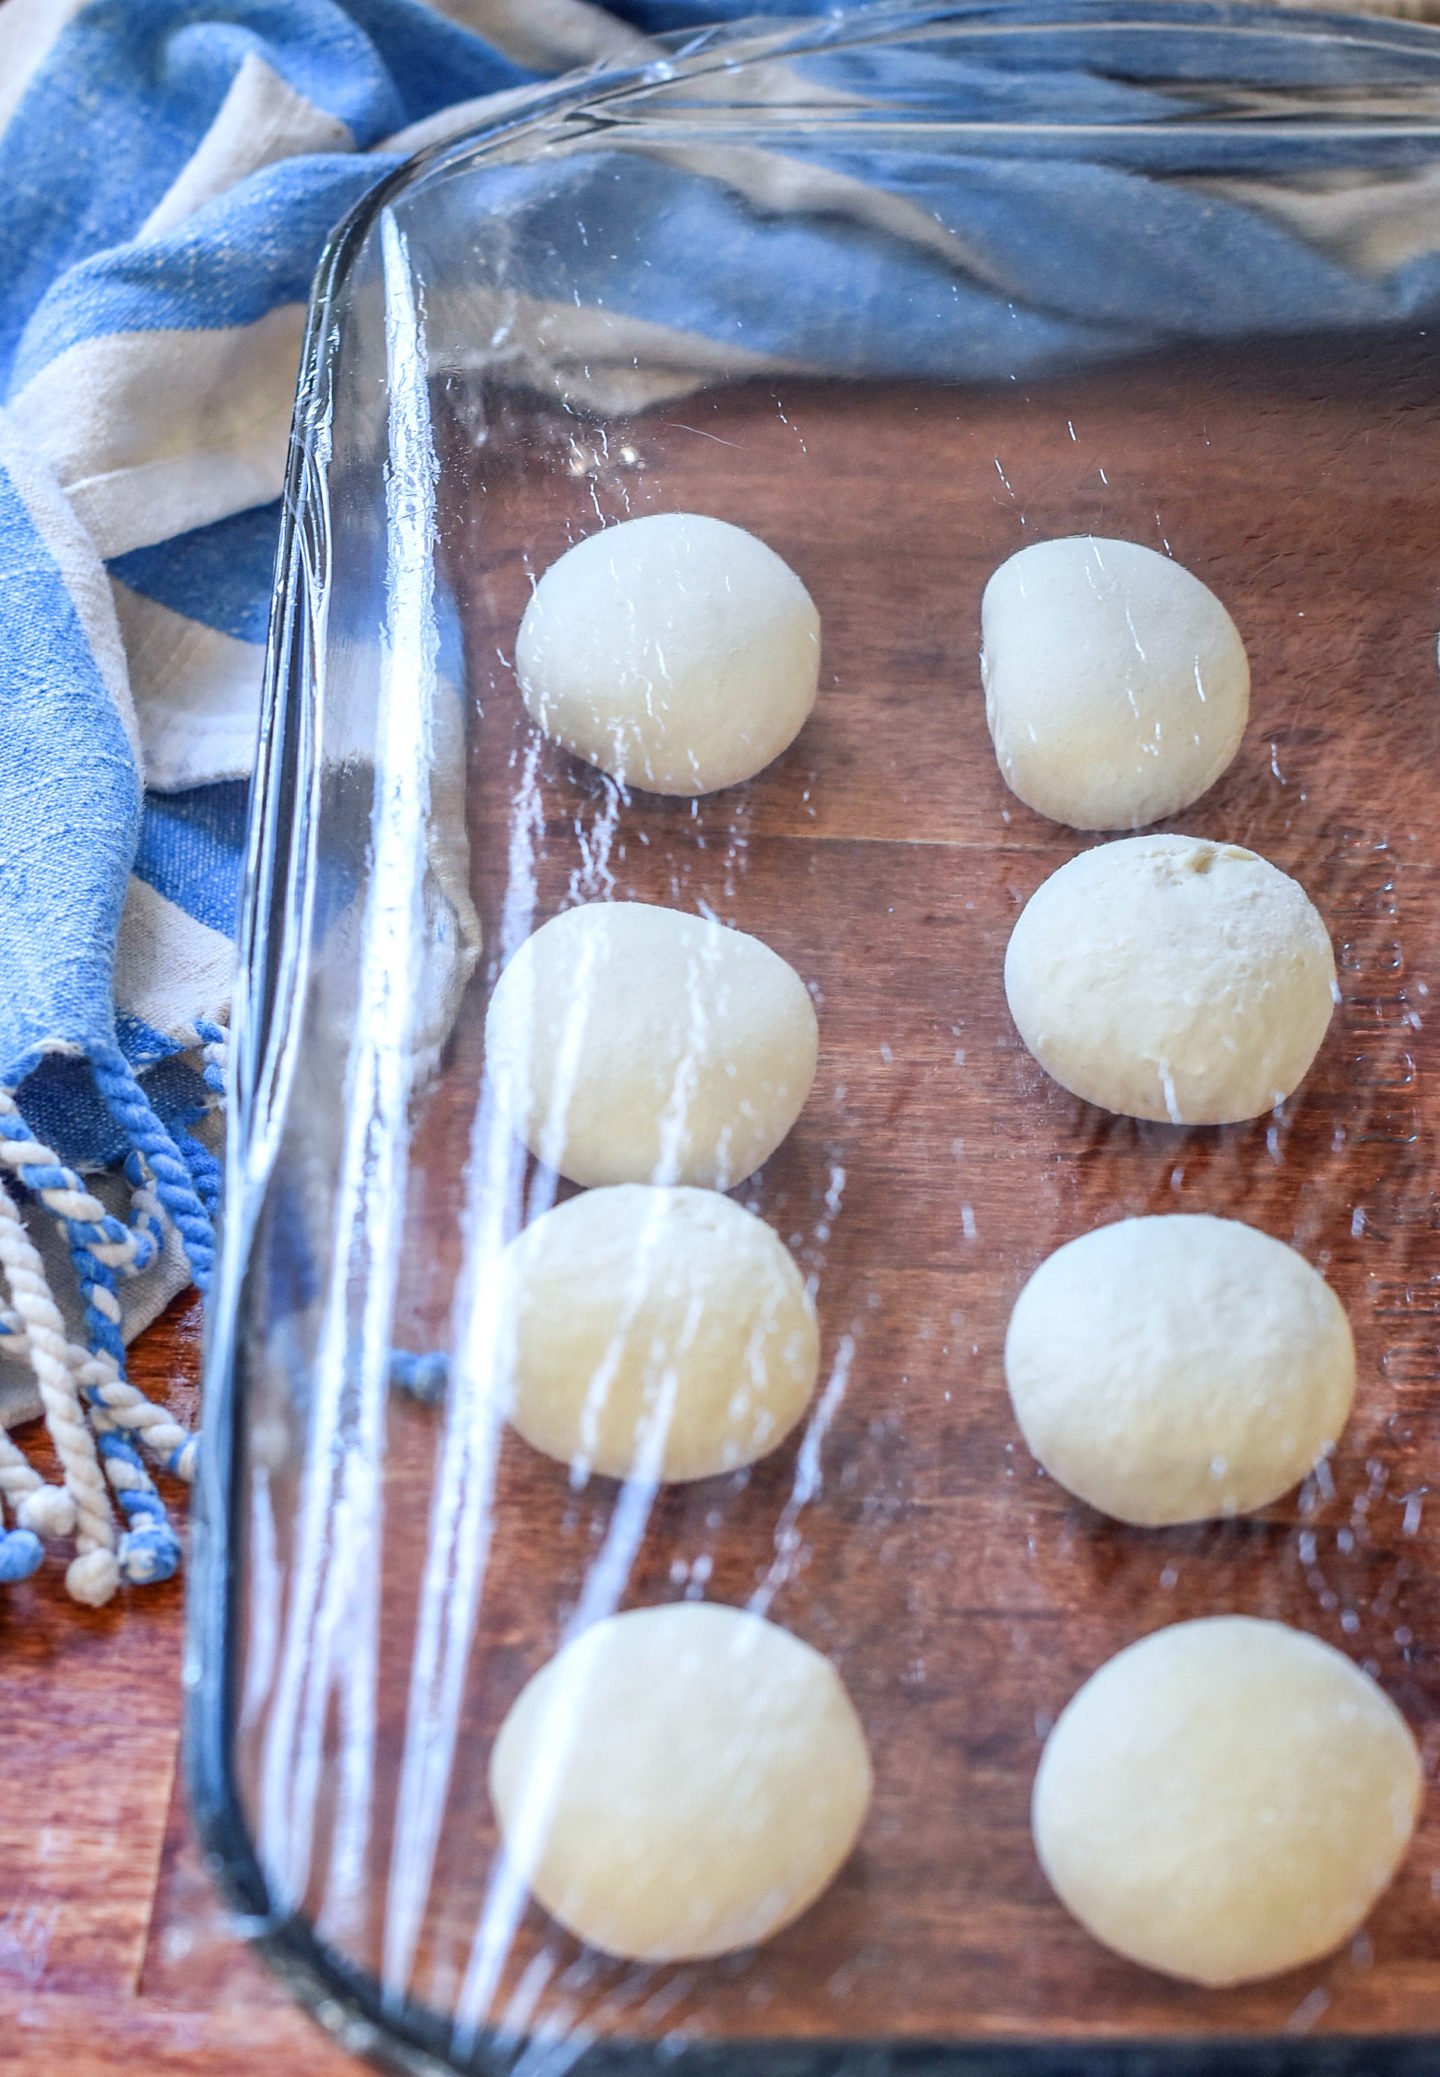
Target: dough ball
(1174, 1368)
(1165, 977)
(680, 1781)
(660, 1333)
(1225, 1800)
(676, 652)
(1116, 685)
(631, 1044)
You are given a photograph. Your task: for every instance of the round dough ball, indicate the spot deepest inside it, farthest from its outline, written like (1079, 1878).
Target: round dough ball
(1170, 978)
(1116, 684)
(1225, 1800)
(676, 652)
(656, 1333)
(1174, 1368)
(631, 1044)
(680, 1781)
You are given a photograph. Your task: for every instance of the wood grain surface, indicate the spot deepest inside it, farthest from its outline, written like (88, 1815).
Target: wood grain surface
(115, 1955)
(962, 1596)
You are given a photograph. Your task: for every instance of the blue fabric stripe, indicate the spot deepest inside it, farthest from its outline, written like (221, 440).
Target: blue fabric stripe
(1181, 45)
(122, 151)
(230, 263)
(64, 1109)
(191, 848)
(71, 808)
(218, 575)
(1039, 276)
(132, 86)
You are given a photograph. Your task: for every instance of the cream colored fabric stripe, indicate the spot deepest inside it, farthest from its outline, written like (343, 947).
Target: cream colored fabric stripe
(75, 558)
(152, 433)
(169, 968)
(261, 121)
(549, 35)
(196, 691)
(600, 358)
(1370, 226)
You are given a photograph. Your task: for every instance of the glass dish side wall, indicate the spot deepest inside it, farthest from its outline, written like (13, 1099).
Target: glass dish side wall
(459, 416)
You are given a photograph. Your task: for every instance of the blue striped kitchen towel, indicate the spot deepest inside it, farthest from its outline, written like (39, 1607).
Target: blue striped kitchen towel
(169, 170)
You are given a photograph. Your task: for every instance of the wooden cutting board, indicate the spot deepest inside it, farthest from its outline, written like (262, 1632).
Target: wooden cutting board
(962, 1596)
(115, 1954)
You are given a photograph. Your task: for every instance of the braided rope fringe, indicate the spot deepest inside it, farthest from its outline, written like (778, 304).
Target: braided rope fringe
(131, 1109)
(205, 1173)
(94, 1572)
(100, 1246)
(102, 1426)
(212, 1042)
(99, 1421)
(173, 1447)
(149, 1550)
(125, 1249)
(424, 1377)
(20, 1548)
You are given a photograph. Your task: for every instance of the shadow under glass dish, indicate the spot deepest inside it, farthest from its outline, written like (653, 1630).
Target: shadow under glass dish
(899, 294)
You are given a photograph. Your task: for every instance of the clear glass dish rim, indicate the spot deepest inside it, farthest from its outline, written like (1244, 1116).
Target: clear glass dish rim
(281, 831)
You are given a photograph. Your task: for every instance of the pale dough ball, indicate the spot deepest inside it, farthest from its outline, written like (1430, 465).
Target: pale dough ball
(659, 1333)
(680, 1781)
(676, 652)
(1225, 1800)
(631, 1044)
(1116, 685)
(1169, 1369)
(1170, 978)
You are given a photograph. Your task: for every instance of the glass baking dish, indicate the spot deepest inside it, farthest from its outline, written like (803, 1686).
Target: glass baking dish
(899, 291)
